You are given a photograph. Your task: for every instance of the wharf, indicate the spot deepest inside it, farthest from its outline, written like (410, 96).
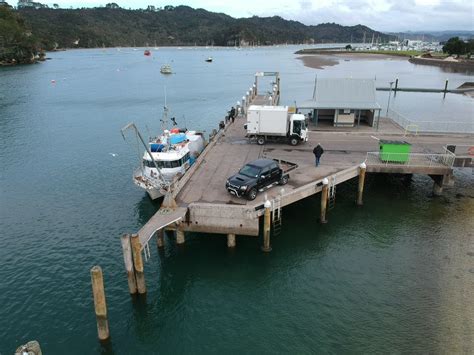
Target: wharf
(204, 205)
(199, 201)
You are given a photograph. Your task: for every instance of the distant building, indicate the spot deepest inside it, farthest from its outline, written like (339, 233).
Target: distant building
(343, 102)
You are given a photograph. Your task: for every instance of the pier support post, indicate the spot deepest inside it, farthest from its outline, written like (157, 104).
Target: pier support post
(160, 238)
(179, 236)
(324, 200)
(138, 263)
(360, 190)
(100, 305)
(438, 182)
(169, 201)
(266, 227)
(445, 88)
(396, 86)
(128, 260)
(437, 189)
(231, 240)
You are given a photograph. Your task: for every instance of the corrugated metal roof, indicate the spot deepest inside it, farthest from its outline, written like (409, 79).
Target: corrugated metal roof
(351, 93)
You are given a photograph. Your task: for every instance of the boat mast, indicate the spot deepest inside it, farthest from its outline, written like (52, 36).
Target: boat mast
(164, 120)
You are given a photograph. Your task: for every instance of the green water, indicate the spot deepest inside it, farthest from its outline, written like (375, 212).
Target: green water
(396, 275)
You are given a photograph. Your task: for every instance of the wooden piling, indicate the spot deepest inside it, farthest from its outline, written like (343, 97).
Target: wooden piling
(128, 260)
(231, 240)
(138, 263)
(160, 238)
(266, 226)
(445, 88)
(179, 236)
(396, 86)
(360, 190)
(324, 200)
(437, 189)
(100, 305)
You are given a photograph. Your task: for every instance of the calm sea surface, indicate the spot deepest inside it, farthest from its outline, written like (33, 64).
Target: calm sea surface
(394, 276)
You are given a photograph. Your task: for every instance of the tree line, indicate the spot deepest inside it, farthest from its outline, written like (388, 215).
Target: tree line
(111, 26)
(455, 45)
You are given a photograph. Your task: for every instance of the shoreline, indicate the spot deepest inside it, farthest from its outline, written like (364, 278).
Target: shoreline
(319, 61)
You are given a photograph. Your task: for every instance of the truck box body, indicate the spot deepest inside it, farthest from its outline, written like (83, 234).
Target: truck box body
(267, 120)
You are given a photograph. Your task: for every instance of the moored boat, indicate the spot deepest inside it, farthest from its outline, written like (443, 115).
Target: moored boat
(166, 69)
(166, 158)
(172, 154)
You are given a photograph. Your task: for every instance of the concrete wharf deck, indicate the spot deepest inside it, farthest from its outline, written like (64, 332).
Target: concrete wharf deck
(204, 205)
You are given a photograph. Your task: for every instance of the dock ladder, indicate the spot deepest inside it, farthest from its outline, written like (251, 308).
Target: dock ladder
(276, 215)
(332, 193)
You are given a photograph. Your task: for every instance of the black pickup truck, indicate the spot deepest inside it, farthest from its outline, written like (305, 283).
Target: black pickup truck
(254, 176)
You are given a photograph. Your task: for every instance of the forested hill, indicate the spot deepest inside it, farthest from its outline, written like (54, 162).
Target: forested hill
(182, 25)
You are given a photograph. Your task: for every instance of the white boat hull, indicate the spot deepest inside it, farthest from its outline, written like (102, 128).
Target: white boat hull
(154, 193)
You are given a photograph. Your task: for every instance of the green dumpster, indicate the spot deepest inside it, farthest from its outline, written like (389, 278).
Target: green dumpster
(394, 151)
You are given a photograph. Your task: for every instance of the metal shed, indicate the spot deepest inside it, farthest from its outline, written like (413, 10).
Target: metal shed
(344, 101)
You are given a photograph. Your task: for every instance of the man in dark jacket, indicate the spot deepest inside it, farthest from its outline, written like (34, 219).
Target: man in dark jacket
(232, 114)
(318, 151)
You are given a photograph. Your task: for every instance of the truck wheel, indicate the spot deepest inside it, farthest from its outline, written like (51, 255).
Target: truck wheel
(294, 141)
(261, 140)
(252, 194)
(284, 180)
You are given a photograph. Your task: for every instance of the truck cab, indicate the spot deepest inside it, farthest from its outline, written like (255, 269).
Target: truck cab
(298, 131)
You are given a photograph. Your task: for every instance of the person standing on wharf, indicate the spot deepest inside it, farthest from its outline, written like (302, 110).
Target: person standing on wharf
(318, 151)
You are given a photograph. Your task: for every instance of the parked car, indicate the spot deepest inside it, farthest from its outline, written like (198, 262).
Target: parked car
(256, 176)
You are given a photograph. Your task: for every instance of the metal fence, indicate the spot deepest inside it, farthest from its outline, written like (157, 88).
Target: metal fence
(441, 160)
(413, 127)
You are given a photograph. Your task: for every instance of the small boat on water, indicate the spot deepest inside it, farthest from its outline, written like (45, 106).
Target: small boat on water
(166, 69)
(166, 158)
(209, 59)
(147, 53)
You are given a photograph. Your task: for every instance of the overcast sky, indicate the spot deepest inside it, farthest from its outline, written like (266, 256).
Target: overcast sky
(382, 15)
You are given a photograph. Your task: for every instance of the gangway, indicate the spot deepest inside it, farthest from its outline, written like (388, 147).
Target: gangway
(162, 219)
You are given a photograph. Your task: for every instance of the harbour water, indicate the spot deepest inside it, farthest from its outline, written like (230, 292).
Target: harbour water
(396, 275)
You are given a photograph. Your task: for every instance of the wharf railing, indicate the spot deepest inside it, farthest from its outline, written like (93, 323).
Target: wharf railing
(413, 127)
(442, 160)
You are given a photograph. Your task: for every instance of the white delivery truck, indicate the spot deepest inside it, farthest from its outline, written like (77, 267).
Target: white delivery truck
(274, 123)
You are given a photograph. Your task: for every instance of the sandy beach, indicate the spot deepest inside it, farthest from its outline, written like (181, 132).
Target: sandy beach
(319, 61)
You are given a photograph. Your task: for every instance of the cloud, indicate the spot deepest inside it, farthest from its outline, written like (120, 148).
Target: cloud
(306, 5)
(386, 15)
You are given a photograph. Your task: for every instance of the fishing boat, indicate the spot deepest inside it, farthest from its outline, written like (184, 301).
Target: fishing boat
(209, 59)
(166, 69)
(166, 158)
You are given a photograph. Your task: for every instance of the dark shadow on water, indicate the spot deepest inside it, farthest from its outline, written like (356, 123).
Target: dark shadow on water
(106, 347)
(146, 208)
